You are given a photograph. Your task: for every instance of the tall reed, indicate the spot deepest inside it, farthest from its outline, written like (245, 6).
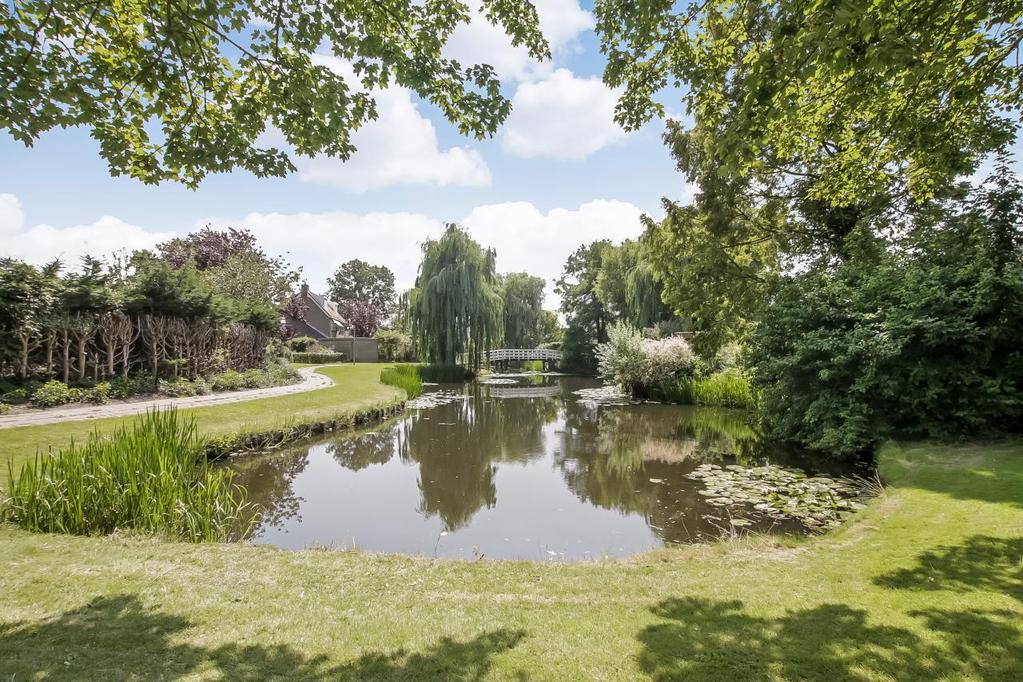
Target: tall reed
(724, 389)
(405, 377)
(149, 476)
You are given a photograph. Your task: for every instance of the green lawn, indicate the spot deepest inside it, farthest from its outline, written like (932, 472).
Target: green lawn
(356, 387)
(927, 583)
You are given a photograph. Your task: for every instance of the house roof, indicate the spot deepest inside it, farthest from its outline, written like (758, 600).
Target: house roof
(328, 307)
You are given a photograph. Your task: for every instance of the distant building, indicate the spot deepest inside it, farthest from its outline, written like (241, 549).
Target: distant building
(322, 319)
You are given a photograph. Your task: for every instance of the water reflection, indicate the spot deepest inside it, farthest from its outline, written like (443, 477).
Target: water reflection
(524, 470)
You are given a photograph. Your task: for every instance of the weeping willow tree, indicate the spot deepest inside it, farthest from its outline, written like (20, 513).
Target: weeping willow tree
(522, 294)
(455, 308)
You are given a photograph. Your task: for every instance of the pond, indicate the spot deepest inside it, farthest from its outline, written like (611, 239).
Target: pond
(542, 468)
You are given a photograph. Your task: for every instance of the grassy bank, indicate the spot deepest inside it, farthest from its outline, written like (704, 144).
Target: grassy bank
(356, 389)
(926, 583)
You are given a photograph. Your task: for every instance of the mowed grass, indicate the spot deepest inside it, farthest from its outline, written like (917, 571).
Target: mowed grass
(356, 388)
(927, 583)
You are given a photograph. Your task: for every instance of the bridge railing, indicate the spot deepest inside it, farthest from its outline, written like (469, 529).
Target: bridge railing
(502, 354)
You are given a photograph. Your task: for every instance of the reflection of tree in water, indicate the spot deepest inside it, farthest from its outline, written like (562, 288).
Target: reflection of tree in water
(457, 444)
(358, 451)
(267, 481)
(635, 459)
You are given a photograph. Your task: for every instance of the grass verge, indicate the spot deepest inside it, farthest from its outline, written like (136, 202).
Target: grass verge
(926, 583)
(252, 423)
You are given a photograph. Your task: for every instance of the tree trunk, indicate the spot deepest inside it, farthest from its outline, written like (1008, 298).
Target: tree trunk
(67, 357)
(23, 360)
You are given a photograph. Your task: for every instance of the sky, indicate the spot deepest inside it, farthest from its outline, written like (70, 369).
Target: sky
(559, 173)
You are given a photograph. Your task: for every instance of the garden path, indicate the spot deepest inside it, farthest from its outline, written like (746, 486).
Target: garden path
(311, 380)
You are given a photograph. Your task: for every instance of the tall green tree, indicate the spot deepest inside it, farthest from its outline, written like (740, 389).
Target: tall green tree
(837, 102)
(628, 285)
(522, 296)
(211, 77)
(586, 316)
(357, 280)
(455, 307)
(27, 294)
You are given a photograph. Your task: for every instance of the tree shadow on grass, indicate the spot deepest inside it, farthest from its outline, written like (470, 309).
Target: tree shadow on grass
(980, 563)
(991, 473)
(117, 638)
(701, 639)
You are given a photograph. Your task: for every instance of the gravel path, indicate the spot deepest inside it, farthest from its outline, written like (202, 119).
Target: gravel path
(311, 380)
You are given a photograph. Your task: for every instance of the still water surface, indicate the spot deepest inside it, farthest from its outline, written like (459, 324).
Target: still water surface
(525, 470)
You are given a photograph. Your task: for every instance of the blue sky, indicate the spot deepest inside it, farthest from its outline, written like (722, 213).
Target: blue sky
(558, 174)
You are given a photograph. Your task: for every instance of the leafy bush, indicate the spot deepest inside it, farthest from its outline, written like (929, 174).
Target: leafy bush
(405, 377)
(127, 387)
(303, 344)
(183, 388)
(255, 378)
(4, 408)
(151, 476)
(15, 396)
(923, 344)
(643, 366)
(54, 393)
(99, 393)
(229, 380)
(320, 358)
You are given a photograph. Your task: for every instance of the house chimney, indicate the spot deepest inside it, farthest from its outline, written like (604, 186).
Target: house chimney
(305, 290)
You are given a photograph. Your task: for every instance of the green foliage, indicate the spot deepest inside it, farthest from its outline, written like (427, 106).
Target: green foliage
(844, 102)
(318, 358)
(923, 340)
(357, 280)
(394, 345)
(53, 393)
(456, 305)
(585, 314)
(212, 78)
(532, 365)
(182, 387)
(303, 344)
(99, 394)
(126, 387)
(405, 377)
(522, 309)
(728, 388)
(150, 477)
(444, 374)
(229, 380)
(643, 366)
(4, 408)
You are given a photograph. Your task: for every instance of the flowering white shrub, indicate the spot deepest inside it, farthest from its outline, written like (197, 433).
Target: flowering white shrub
(637, 364)
(620, 360)
(666, 360)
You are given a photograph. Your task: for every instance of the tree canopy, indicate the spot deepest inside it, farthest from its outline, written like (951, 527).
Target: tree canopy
(357, 280)
(179, 90)
(456, 304)
(842, 100)
(522, 296)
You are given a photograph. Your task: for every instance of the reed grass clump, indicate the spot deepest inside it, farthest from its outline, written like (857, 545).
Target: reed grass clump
(150, 476)
(405, 377)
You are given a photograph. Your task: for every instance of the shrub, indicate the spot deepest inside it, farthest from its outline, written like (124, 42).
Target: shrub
(99, 393)
(127, 387)
(150, 476)
(4, 408)
(643, 366)
(181, 388)
(405, 377)
(229, 380)
(321, 358)
(303, 344)
(54, 393)
(16, 396)
(254, 378)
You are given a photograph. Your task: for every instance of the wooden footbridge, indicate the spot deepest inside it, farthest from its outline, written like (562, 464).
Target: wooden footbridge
(504, 356)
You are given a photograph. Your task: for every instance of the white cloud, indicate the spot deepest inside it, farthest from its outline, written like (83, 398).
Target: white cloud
(42, 243)
(526, 238)
(400, 146)
(480, 42)
(563, 117)
(529, 240)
